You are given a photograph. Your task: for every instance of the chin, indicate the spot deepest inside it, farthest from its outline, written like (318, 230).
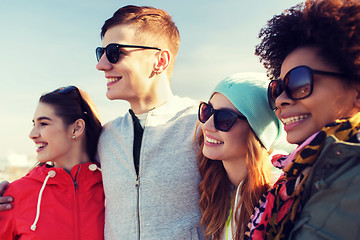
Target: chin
(211, 156)
(113, 96)
(110, 96)
(42, 160)
(295, 139)
(206, 153)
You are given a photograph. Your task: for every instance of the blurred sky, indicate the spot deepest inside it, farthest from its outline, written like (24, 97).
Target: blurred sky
(46, 44)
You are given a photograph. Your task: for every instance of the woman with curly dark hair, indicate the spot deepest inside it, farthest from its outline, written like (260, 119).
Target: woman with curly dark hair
(313, 49)
(238, 131)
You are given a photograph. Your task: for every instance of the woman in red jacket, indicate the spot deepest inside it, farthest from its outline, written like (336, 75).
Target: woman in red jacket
(64, 199)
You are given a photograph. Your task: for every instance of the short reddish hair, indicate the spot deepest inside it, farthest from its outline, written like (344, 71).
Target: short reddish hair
(160, 30)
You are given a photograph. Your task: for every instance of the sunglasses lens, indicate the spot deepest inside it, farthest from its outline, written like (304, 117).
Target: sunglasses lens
(274, 90)
(66, 90)
(224, 120)
(112, 53)
(298, 82)
(204, 112)
(99, 52)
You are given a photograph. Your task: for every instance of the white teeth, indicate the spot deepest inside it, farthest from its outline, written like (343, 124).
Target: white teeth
(113, 79)
(40, 145)
(210, 140)
(293, 119)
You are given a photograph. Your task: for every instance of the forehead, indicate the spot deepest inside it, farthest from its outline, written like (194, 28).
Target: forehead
(122, 34)
(45, 110)
(307, 56)
(218, 100)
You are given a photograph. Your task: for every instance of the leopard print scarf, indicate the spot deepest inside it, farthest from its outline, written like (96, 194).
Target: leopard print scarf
(276, 212)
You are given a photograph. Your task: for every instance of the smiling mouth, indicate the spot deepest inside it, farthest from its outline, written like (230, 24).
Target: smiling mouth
(40, 146)
(115, 79)
(210, 140)
(294, 119)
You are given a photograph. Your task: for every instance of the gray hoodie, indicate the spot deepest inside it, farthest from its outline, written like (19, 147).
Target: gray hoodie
(163, 203)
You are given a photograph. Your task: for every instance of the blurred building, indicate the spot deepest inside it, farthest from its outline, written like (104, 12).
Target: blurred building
(15, 166)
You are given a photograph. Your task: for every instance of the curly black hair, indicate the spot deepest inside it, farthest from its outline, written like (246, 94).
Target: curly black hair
(332, 26)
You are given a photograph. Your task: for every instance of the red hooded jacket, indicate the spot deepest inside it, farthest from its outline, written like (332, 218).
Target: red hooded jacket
(50, 203)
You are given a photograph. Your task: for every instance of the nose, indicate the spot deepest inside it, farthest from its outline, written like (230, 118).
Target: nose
(209, 125)
(104, 64)
(34, 133)
(283, 100)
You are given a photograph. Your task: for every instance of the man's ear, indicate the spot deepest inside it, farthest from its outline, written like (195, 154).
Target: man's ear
(78, 128)
(162, 61)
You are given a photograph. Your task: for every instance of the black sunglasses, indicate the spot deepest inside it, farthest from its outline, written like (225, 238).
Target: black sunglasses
(113, 51)
(297, 84)
(69, 89)
(224, 119)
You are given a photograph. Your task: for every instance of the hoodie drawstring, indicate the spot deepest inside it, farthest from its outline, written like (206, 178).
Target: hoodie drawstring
(94, 167)
(50, 175)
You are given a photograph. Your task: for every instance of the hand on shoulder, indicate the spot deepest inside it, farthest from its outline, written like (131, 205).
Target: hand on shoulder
(5, 202)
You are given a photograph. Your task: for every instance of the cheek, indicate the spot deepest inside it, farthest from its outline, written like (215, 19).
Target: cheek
(326, 111)
(330, 101)
(239, 137)
(58, 137)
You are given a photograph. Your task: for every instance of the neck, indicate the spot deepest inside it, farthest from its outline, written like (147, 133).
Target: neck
(156, 97)
(236, 170)
(75, 157)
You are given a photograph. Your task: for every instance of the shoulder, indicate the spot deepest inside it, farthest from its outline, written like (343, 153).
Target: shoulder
(21, 188)
(119, 128)
(183, 106)
(332, 191)
(185, 102)
(34, 177)
(337, 152)
(118, 122)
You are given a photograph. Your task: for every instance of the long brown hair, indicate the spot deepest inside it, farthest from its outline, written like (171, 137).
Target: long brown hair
(70, 108)
(217, 194)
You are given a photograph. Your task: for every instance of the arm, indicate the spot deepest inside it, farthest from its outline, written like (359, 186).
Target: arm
(332, 210)
(5, 202)
(7, 230)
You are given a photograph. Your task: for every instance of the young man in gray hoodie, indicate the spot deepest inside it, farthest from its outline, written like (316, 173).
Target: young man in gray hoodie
(148, 163)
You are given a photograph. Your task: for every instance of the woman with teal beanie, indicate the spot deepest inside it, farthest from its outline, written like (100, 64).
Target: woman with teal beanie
(238, 132)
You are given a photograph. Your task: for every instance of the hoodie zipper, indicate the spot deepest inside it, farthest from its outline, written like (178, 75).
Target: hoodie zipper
(137, 133)
(76, 186)
(76, 216)
(137, 168)
(137, 185)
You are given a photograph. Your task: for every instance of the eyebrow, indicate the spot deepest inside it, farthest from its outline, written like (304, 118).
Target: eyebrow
(227, 108)
(42, 118)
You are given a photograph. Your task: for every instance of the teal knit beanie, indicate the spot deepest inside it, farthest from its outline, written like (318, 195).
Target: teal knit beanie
(248, 93)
